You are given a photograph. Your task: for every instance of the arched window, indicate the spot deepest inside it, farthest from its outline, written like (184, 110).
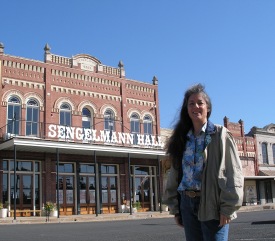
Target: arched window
(264, 153)
(109, 120)
(87, 119)
(135, 127)
(32, 118)
(65, 115)
(273, 149)
(14, 115)
(147, 123)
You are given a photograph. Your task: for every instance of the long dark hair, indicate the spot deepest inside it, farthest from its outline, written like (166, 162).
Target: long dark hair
(176, 144)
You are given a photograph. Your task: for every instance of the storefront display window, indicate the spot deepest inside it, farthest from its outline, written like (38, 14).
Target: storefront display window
(26, 181)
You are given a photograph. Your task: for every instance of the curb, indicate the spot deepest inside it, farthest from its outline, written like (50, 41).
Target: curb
(111, 217)
(85, 218)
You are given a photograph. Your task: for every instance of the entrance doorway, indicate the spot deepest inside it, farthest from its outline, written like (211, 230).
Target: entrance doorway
(108, 189)
(66, 194)
(23, 191)
(65, 187)
(268, 192)
(144, 187)
(87, 194)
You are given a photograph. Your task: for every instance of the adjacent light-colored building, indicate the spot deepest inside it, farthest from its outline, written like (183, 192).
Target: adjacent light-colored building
(265, 142)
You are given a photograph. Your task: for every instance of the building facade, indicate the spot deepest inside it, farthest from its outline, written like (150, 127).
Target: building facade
(77, 133)
(248, 154)
(265, 141)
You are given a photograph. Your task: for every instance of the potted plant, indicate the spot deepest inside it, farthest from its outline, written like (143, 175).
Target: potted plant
(4, 209)
(50, 209)
(136, 206)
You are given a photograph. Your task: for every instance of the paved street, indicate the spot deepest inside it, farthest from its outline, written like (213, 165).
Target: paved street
(250, 226)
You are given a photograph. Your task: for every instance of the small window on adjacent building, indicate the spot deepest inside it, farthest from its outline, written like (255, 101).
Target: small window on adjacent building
(273, 150)
(264, 153)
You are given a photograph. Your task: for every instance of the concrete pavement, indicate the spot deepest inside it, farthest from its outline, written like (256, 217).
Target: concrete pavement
(110, 217)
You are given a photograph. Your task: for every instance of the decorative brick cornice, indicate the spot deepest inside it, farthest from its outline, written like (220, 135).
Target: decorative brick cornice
(140, 102)
(85, 93)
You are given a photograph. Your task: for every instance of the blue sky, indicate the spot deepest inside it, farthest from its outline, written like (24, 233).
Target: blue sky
(229, 46)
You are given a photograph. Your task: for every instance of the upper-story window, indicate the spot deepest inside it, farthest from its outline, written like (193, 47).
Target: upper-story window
(87, 119)
(14, 115)
(135, 126)
(147, 123)
(109, 120)
(65, 115)
(264, 153)
(273, 150)
(32, 118)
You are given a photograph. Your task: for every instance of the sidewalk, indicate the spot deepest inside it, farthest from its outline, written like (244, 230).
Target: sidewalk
(85, 218)
(111, 217)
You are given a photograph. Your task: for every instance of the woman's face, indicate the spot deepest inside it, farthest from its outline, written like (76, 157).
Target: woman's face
(197, 108)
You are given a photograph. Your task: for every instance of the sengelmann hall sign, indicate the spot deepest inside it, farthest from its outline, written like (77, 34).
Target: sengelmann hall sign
(104, 136)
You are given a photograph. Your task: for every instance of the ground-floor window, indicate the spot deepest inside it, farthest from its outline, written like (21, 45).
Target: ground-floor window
(81, 188)
(250, 193)
(23, 188)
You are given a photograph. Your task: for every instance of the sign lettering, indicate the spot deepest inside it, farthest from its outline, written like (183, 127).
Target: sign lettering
(104, 136)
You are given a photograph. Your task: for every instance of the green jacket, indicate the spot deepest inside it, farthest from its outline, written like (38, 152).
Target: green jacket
(222, 180)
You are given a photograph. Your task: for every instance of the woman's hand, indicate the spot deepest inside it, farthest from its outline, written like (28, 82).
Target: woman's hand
(224, 220)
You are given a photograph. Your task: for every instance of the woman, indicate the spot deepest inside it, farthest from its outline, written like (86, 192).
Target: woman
(205, 185)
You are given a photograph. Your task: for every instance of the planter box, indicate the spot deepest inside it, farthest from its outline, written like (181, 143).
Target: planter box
(164, 208)
(54, 213)
(3, 213)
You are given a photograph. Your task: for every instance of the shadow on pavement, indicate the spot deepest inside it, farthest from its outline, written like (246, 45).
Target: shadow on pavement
(264, 222)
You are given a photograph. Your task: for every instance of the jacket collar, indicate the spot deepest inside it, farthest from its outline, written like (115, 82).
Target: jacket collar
(210, 128)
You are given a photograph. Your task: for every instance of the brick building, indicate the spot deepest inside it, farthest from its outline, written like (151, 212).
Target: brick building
(257, 153)
(248, 155)
(78, 133)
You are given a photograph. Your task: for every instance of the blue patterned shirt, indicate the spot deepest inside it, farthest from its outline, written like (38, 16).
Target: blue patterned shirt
(193, 161)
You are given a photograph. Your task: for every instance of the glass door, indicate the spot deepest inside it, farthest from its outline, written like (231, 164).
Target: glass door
(23, 193)
(66, 194)
(87, 194)
(109, 194)
(108, 189)
(144, 187)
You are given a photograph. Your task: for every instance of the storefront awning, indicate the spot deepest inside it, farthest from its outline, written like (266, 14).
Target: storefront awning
(42, 145)
(267, 173)
(259, 177)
